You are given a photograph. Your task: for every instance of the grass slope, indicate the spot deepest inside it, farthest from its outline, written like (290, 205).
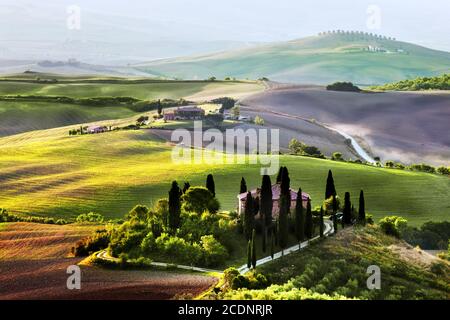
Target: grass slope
(318, 59)
(337, 266)
(50, 173)
(21, 116)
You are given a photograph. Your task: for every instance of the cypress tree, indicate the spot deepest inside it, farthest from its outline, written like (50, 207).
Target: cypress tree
(249, 254)
(284, 205)
(256, 206)
(266, 201)
(321, 222)
(243, 186)
(186, 186)
(210, 184)
(279, 175)
(249, 216)
(159, 107)
(335, 208)
(254, 248)
(299, 218)
(330, 189)
(174, 207)
(272, 246)
(283, 223)
(308, 221)
(362, 208)
(264, 239)
(347, 211)
(335, 224)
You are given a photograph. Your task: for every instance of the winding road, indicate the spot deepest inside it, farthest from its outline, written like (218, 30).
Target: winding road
(242, 269)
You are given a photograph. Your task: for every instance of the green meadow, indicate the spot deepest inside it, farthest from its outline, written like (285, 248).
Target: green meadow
(17, 116)
(50, 173)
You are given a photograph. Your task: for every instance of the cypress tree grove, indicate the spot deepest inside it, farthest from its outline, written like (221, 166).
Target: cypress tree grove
(174, 207)
(362, 209)
(254, 248)
(308, 221)
(347, 211)
(249, 216)
(299, 218)
(159, 107)
(249, 254)
(266, 201)
(321, 222)
(243, 186)
(330, 190)
(210, 184)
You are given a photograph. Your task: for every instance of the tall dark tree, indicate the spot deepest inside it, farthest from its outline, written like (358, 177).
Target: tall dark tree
(280, 173)
(264, 239)
(330, 189)
(266, 200)
(334, 217)
(362, 208)
(174, 206)
(321, 222)
(256, 205)
(210, 185)
(249, 253)
(309, 221)
(243, 186)
(299, 218)
(254, 248)
(249, 217)
(159, 107)
(272, 246)
(186, 186)
(347, 211)
(284, 206)
(335, 223)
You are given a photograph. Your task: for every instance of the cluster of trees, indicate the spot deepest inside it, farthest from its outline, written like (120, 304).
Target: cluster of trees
(182, 228)
(357, 35)
(349, 215)
(299, 148)
(422, 83)
(343, 86)
(422, 167)
(430, 236)
(6, 216)
(300, 221)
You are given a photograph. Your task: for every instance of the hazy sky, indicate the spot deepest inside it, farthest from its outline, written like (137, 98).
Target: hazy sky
(419, 21)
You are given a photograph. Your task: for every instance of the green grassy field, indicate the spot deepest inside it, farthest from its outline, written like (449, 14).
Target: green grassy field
(150, 90)
(21, 116)
(317, 59)
(49, 173)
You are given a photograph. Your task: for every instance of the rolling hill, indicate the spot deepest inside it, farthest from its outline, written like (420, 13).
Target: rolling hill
(52, 174)
(329, 57)
(21, 115)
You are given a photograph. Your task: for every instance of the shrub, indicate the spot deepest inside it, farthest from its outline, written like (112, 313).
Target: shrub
(393, 225)
(259, 121)
(98, 241)
(443, 170)
(214, 252)
(90, 217)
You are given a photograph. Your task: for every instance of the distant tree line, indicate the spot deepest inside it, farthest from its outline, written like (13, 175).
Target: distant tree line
(422, 83)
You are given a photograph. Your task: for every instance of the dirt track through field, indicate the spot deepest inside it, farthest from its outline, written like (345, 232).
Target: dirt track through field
(402, 126)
